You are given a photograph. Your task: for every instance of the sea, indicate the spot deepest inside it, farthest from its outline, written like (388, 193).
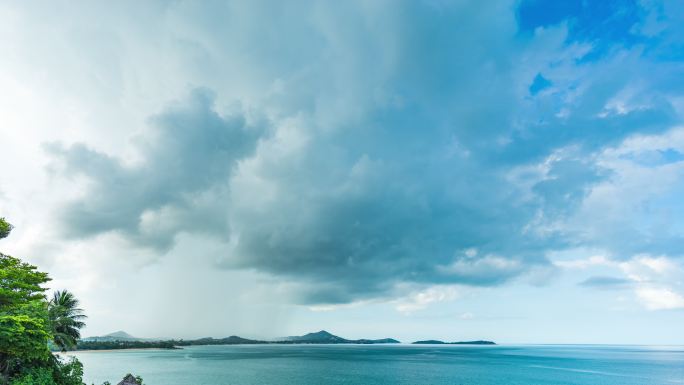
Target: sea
(391, 364)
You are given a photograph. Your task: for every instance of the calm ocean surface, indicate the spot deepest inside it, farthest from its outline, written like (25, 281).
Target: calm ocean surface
(391, 364)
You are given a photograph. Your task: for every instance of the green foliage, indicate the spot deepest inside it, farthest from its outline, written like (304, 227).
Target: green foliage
(51, 372)
(28, 322)
(24, 331)
(5, 228)
(24, 324)
(35, 376)
(69, 372)
(66, 319)
(20, 282)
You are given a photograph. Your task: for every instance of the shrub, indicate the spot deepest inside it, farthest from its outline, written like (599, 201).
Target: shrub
(35, 376)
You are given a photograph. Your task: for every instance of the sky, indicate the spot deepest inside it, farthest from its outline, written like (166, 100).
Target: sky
(507, 170)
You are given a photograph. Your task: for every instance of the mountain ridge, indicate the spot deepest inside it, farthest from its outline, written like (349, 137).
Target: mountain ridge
(118, 335)
(123, 340)
(325, 337)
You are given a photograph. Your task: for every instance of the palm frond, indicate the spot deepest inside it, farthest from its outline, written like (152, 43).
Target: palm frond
(65, 319)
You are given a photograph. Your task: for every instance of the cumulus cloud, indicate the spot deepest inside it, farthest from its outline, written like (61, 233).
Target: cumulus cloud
(421, 299)
(641, 221)
(187, 158)
(595, 260)
(394, 148)
(660, 298)
(654, 281)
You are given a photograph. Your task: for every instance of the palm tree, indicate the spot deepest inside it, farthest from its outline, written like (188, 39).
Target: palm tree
(66, 319)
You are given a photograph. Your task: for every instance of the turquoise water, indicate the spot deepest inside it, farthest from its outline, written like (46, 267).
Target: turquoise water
(395, 364)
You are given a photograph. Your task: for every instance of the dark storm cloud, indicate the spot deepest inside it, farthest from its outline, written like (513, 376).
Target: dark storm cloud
(401, 151)
(189, 155)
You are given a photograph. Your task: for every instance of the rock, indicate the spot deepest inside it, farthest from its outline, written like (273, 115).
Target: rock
(129, 380)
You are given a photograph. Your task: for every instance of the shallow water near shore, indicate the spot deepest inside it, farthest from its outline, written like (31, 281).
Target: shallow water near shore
(391, 364)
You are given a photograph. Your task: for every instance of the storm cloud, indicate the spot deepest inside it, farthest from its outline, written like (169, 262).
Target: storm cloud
(380, 148)
(188, 155)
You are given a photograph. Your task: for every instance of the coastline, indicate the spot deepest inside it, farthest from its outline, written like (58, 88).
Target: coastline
(111, 350)
(402, 344)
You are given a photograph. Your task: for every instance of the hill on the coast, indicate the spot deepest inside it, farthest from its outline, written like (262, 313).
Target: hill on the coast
(320, 337)
(116, 336)
(123, 340)
(324, 337)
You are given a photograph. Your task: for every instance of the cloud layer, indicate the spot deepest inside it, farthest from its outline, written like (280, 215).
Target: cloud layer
(380, 146)
(188, 156)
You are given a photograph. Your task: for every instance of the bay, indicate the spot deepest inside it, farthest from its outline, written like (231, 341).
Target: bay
(391, 364)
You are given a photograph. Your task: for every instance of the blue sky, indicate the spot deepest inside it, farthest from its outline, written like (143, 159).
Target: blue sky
(508, 170)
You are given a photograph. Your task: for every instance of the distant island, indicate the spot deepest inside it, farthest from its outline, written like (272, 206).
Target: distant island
(117, 336)
(438, 342)
(323, 337)
(123, 340)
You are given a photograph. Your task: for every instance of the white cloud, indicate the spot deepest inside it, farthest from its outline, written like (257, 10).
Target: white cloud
(644, 268)
(488, 267)
(660, 298)
(467, 316)
(423, 298)
(352, 189)
(657, 281)
(595, 260)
